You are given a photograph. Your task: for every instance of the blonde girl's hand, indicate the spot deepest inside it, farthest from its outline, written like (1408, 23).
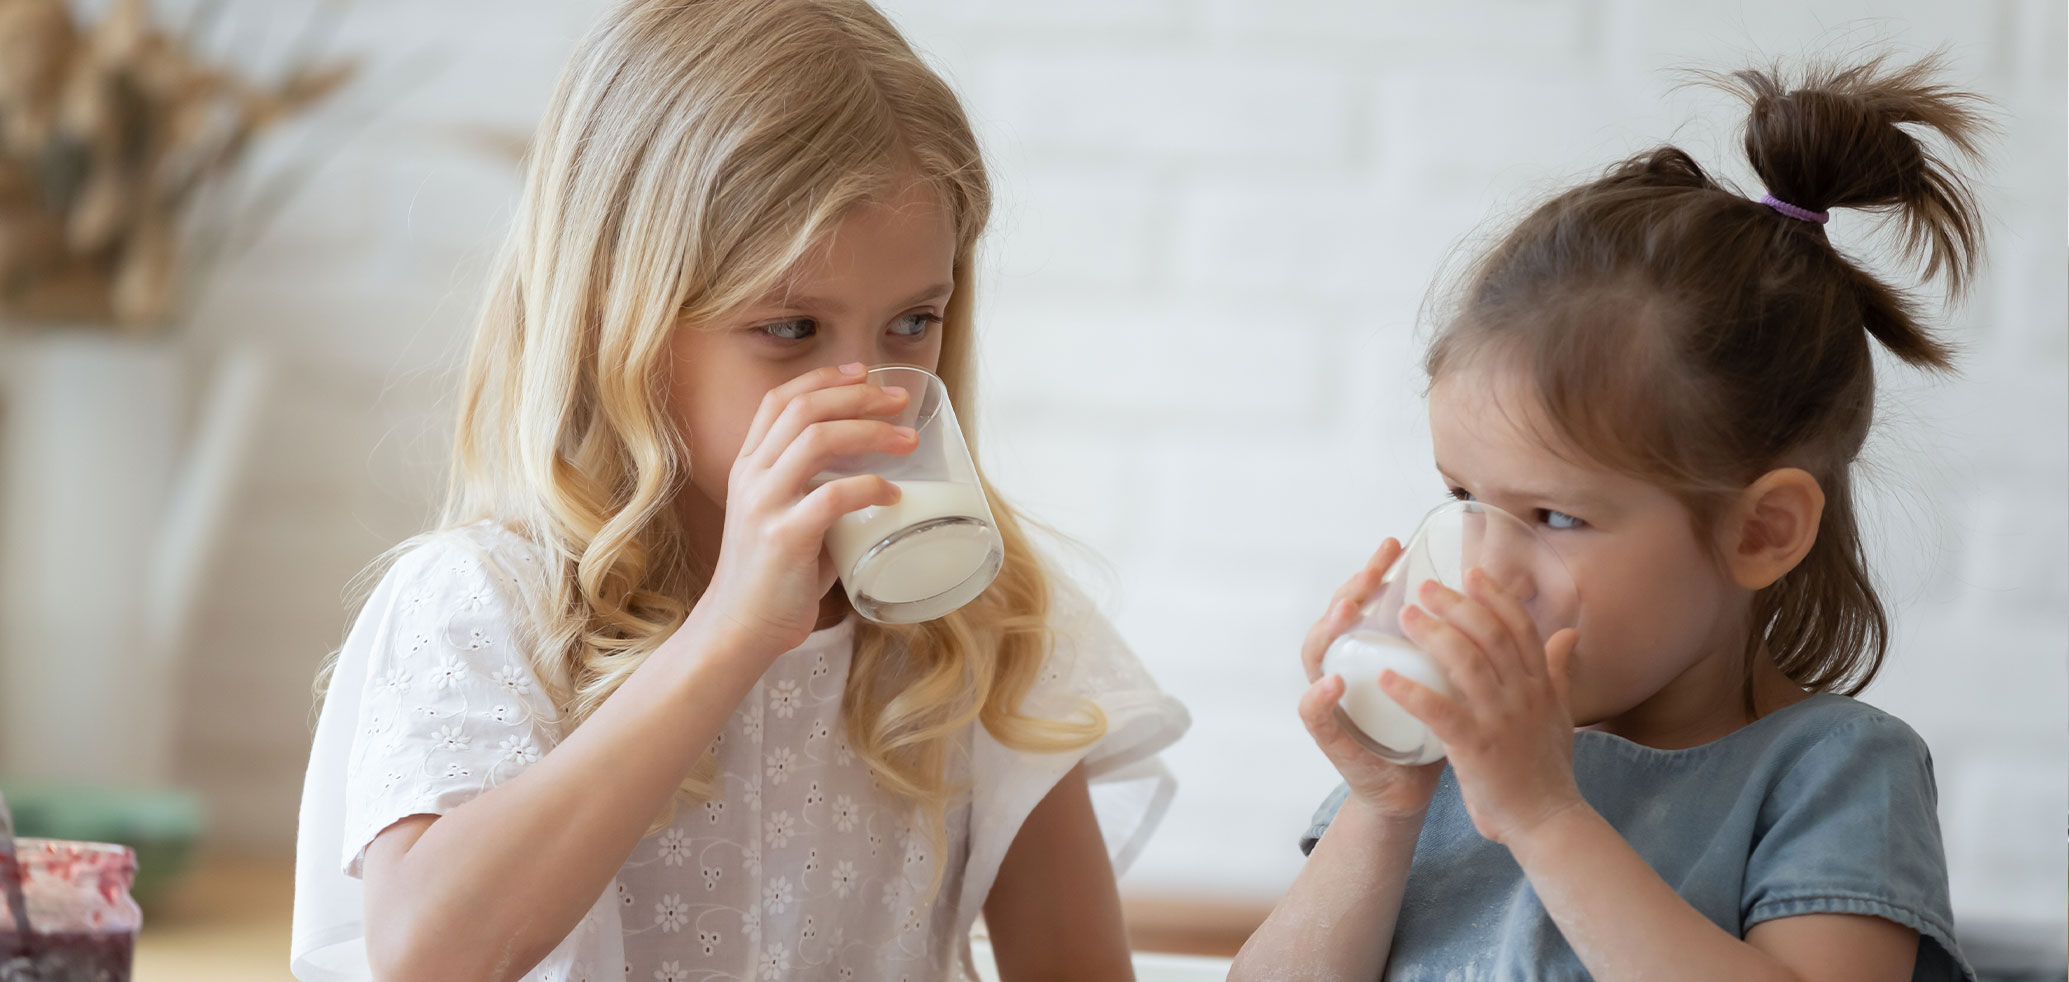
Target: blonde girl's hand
(772, 567)
(1392, 791)
(1509, 735)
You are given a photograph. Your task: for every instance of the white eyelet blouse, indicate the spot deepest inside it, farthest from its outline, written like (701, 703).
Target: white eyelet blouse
(799, 867)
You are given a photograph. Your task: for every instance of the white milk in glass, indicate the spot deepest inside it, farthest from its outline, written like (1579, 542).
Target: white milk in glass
(951, 540)
(1359, 656)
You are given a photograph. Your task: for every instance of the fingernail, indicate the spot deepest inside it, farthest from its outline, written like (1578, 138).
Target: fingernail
(853, 368)
(908, 433)
(894, 390)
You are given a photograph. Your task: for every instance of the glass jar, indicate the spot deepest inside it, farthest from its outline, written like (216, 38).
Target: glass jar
(82, 922)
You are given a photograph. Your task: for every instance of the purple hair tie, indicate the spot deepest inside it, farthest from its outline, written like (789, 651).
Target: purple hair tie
(1799, 214)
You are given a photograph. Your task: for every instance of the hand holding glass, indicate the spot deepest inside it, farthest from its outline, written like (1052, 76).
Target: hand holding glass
(1451, 540)
(937, 548)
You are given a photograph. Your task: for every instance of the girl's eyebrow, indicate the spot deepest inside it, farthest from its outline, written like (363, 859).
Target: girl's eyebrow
(794, 301)
(1571, 496)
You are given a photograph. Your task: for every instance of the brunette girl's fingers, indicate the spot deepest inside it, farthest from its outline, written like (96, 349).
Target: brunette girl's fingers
(1383, 557)
(1336, 620)
(1357, 589)
(1442, 715)
(1476, 621)
(1318, 714)
(1344, 604)
(1559, 663)
(1522, 631)
(1362, 584)
(1456, 655)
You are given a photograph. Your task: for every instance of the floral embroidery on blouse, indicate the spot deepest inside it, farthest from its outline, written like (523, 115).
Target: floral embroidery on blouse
(757, 882)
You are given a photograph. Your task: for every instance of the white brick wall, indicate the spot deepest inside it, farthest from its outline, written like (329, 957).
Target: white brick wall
(1216, 222)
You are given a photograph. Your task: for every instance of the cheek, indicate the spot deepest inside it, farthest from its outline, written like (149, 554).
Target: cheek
(1645, 614)
(1618, 661)
(928, 355)
(715, 427)
(713, 410)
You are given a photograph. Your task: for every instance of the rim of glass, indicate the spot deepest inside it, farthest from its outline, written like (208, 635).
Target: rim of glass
(920, 420)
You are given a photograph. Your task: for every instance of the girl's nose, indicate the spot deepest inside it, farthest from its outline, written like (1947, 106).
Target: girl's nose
(850, 353)
(1508, 555)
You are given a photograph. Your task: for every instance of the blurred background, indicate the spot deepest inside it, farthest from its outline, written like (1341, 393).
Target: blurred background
(1217, 220)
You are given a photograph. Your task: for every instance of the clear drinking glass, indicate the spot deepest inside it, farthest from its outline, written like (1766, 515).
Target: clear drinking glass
(937, 548)
(1452, 539)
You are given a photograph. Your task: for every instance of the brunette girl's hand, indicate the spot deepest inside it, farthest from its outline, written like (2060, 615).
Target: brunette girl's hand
(1509, 735)
(772, 566)
(1392, 791)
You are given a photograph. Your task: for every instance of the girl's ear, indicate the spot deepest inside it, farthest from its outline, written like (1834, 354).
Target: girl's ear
(1771, 526)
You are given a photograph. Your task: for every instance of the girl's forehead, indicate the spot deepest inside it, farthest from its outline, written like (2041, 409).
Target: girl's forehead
(1489, 428)
(900, 245)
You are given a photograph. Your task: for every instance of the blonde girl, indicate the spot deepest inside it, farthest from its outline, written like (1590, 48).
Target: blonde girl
(1673, 380)
(613, 719)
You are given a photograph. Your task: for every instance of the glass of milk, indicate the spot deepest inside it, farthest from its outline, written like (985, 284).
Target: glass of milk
(1452, 539)
(937, 548)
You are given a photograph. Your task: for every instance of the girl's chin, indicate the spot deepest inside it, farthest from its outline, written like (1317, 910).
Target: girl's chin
(1592, 714)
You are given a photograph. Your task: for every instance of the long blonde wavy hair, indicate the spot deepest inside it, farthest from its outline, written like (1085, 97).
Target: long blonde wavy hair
(693, 153)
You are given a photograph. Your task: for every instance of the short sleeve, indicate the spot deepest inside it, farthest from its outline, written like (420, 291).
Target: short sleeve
(1130, 786)
(432, 702)
(451, 706)
(1323, 816)
(1851, 827)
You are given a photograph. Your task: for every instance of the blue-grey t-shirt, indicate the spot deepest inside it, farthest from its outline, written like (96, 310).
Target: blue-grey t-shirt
(1825, 806)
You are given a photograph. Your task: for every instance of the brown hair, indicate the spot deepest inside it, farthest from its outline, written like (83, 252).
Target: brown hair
(1681, 332)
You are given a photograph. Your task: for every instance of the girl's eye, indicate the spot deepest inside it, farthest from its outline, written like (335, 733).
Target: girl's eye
(791, 330)
(1558, 519)
(1461, 494)
(914, 325)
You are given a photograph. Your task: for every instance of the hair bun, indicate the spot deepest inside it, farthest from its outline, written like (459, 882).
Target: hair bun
(1844, 137)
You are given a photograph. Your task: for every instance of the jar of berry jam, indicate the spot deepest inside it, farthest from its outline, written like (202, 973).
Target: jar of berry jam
(76, 922)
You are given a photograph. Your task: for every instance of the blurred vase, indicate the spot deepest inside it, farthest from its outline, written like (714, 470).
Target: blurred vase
(114, 479)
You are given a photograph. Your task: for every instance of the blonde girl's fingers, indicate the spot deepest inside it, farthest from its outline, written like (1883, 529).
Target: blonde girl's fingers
(1476, 621)
(1456, 655)
(857, 401)
(828, 502)
(774, 401)
(1516, 622)
(821, 442)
